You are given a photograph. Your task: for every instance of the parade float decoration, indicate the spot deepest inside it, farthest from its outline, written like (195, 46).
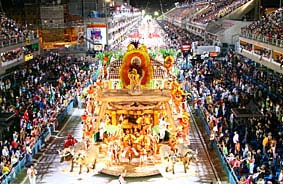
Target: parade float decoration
(136, 69)
(132, 113)
(105, 59)
(168, 56)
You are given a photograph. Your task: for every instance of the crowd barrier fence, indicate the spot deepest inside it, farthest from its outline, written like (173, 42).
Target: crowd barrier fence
(228, 170)
(44, 137)
(265, 39)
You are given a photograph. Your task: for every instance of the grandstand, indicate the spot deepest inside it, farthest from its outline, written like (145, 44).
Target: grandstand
(256, 36)
(212, 19)
(252, 67)
(18, 43)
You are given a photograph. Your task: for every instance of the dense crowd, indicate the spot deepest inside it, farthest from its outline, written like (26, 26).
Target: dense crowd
(11, 55)
(37, 93)
(175, 36)
(186, 10)
(269, 26)
(253, 145)
(12, 31)
(218, 9)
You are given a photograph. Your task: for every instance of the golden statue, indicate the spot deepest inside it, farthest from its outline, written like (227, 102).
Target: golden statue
(135, 82)
(178, 98)
(184, 122)
(168, 63)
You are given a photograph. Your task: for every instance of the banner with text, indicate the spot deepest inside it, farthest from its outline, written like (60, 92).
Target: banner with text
(96, 36)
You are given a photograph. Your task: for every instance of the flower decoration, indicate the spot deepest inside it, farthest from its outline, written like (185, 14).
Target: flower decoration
(105, 57)
(168, 55)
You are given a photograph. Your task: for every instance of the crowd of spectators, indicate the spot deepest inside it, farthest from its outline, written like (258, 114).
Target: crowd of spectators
(190, 3)
(218, 9)
(176, 36)
(11, 55)
(186, 10)
(252, 146)
(37, 93)
(268, 27)
(14, 32)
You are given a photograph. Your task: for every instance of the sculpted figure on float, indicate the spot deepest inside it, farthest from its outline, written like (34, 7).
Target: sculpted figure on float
(129, 146)
(135, 82)
(177, 95)
(168, 63)
(184, 122)
(136, 70)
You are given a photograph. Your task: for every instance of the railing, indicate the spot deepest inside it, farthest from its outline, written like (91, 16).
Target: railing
(15, 41)
(264, 39)
(228, 170)
(7, 63)
(61, 117)
(44, 137)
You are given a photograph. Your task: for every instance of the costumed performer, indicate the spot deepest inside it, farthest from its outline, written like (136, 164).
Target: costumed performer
(70, 141)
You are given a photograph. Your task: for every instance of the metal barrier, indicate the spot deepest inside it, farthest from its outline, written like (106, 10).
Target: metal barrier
(15, 41)
(265, 39)
(228, 170)
(61, 117)
(44, 137)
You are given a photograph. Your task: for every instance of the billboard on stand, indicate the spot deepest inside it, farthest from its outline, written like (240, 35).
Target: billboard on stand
(96, 36)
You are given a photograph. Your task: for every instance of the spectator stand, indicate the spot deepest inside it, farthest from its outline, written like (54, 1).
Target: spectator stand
(233, 179)
(64, 108)
(246, 126)
(44, 138)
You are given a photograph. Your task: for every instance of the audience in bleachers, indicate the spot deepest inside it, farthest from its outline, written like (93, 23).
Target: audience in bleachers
(186, 10)
(218, 9)
(175, 36)
(38, 92)
(269, 26)
(253, 146)
(14, 32)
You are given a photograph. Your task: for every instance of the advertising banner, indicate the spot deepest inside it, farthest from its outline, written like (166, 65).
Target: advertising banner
(96, 36)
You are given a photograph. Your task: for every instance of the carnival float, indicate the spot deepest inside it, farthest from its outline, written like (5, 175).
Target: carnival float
(135, 115)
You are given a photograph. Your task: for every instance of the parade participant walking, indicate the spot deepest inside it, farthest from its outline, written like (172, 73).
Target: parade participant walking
(31, 172)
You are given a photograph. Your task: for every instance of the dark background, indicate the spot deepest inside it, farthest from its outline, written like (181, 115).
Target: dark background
(271, 3)
(150, 5)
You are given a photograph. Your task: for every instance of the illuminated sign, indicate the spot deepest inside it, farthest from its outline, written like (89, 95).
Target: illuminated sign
(28, 57)
(96, 35)
(213, 54)
(98, 47)
(186, 47)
